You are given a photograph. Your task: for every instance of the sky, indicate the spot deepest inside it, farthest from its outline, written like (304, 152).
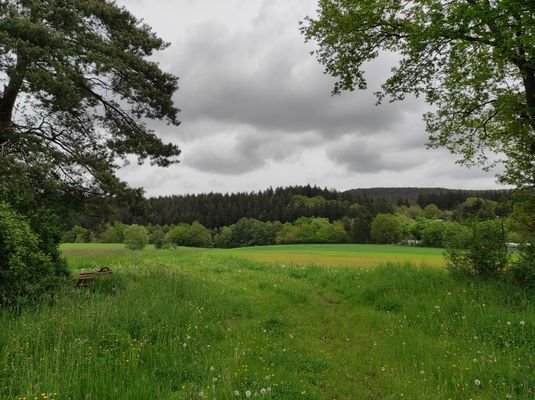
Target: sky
(257, 110)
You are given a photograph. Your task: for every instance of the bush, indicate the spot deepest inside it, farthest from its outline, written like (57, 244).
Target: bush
(386, 228)
(479, 251)
(523, 269)
(77, 234)
(27, 273)
(113, 233)
(194, 235)
(157, 238)
(135, 237)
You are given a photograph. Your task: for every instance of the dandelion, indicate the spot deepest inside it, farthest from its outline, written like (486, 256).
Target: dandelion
(248, 394)
(237, 393)
(508, 322)
(477, 382)
(201, 394)
(184, 345)
(212, 369)
(522, 323)
(263, 391)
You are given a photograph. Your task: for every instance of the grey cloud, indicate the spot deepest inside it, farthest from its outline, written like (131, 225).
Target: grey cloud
(270, 81)
(361, 157)
(255, 104)
(242, 152)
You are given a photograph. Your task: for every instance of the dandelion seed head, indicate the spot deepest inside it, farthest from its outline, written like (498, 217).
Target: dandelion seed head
(477, 382)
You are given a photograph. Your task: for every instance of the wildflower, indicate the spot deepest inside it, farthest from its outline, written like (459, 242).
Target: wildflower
(477, 382)
(236, 393)
(184, 345)
(201, 394)
(263, 391)
(508, 322)
(248, 394)
(212, 369)
(522, 323)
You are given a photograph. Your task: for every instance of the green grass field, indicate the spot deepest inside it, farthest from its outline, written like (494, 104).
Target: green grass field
(219, 324)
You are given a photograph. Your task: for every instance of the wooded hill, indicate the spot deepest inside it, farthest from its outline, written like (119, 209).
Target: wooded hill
(215, 210)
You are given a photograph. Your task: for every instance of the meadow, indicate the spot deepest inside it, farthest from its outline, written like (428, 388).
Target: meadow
(278, 322)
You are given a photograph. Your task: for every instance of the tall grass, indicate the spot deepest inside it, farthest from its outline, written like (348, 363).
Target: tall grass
(190, 324)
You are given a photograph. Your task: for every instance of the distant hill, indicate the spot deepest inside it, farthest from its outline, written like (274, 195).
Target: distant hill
(423, 196)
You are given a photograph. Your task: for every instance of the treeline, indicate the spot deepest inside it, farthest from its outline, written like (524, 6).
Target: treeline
(215, 210)
(357, 223)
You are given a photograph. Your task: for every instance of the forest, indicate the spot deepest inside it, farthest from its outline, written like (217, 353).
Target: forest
(301, 214)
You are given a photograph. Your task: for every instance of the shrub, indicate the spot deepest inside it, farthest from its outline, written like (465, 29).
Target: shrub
(157, 238)
(194, 235)
(135, 237)
(523, 268)
(386, 228)
(113, 233)
(27, 272)
(77, 234)
(480, 251)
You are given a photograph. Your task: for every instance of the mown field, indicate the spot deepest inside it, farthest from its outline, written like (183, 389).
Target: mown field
(224, 324)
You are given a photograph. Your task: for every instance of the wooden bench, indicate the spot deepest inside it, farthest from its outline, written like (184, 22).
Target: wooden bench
(86, 278)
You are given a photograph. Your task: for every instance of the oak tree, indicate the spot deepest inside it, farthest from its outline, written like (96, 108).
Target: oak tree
(472, 60)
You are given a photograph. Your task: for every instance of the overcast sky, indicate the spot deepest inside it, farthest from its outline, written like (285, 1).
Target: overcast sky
(257, 110)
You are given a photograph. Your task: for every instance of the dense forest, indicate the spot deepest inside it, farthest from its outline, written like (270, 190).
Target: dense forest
(215, 210)
(301, 214)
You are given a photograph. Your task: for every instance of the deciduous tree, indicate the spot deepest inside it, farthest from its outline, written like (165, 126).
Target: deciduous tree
(472, 60)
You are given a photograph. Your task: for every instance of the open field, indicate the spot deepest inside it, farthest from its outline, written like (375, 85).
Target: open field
(205, 324)
(350, 255)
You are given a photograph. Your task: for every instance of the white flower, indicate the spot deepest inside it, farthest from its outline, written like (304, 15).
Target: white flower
(508, 322)
(236, 393)
(201, 394)
(248, 394)
(212, 369)
(522, 323)
(263, 391)
(477, 382)
(184, 345)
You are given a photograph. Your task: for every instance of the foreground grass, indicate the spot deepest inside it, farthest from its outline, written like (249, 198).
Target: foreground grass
(191, 324)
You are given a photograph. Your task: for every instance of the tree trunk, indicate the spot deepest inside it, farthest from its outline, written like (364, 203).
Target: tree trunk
(9, 98)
